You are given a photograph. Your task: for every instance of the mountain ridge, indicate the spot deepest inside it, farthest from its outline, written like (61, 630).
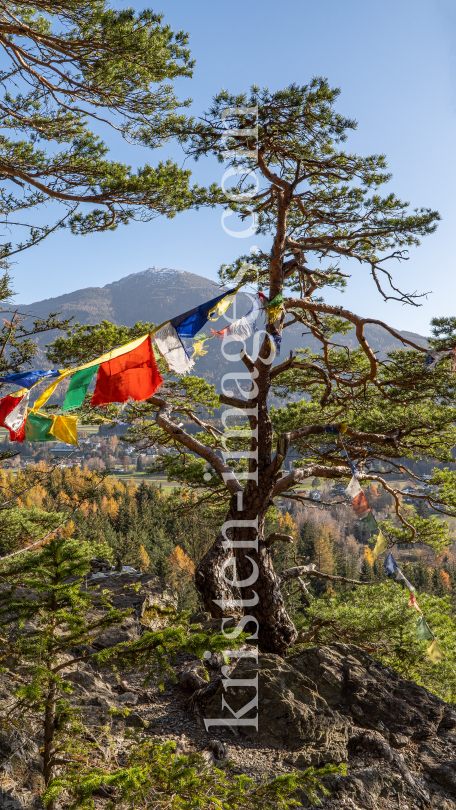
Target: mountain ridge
(157, 294)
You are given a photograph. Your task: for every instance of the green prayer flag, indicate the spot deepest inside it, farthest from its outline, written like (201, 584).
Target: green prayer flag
(381, 545)
(422, 630)
(78, 387)
(370, 523)
(37, 428)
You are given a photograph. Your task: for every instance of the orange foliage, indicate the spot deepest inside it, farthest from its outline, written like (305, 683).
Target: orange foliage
(445, 580)
(180, 562)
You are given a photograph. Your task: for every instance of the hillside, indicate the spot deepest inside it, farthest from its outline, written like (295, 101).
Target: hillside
(157, 294)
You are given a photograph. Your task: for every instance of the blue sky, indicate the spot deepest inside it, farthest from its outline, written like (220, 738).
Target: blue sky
(396, 65)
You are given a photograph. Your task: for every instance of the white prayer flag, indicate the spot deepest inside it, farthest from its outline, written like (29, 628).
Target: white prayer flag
(353, 488)
(170, 346)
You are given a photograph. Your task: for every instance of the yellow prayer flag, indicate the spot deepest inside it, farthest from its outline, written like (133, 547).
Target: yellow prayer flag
(198, 349)
(64, 429)
(380, 546)
(221, 307)
(47, 393)
(435, 652)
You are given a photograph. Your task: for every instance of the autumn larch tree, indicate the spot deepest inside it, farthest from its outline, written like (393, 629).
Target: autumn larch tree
(319, 204)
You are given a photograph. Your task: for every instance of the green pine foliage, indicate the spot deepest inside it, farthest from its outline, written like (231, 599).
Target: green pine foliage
(155, 777)
(115, 78)
(378, 619)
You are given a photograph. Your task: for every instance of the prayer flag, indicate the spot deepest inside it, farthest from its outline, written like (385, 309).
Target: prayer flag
(64, 428)
(370, 523)
(172, 349)
(435, 652)
(77, 388)
(422, 630)
(432, 358)
(13, 410)
(27, 379)
(390, 564)
(399, 577)
(413, 603)
(244, 327)
(38, 428)
(380, 546)
(360, 504)
(133, 375)
(189, 323)
(197, 350)
(277, 340)
(353, 488)
(47, 393)
(275, 307)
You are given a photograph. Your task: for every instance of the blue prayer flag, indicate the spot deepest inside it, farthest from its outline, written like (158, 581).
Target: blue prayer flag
(189, 323)
(26, 379)
(390, 564)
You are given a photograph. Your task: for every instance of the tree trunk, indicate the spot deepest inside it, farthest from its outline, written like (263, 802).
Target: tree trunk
(263, 599)
(49, 732)
(209, 579)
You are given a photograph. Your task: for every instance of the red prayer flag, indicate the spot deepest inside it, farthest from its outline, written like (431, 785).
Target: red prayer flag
(7, 405)
(133, 375)
(413, 603)
(360, 504)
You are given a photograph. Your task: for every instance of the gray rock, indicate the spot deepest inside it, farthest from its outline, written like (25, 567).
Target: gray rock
(128, 698)
(399, 740)
(291, 714)
(376, 697)
(129, 630)
(134, 720)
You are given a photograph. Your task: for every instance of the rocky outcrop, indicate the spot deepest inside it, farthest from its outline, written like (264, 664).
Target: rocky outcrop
(337, 704)
(291, 713)
(372, 695)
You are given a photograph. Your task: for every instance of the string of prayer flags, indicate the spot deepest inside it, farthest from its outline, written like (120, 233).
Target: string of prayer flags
(77, 388)
(27, 379)
(413, 602)
(133, 375)
(380, 546)
(172, 349)
(189, 323)
(360, 505)
(435, 652)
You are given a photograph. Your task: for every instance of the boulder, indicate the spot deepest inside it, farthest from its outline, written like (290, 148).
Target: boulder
(372, 695)
(291, 713)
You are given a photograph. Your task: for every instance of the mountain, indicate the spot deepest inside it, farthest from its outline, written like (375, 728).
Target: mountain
(158, 294)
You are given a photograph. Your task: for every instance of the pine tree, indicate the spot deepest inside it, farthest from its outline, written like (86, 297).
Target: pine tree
(115, 76)
(318, 204)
